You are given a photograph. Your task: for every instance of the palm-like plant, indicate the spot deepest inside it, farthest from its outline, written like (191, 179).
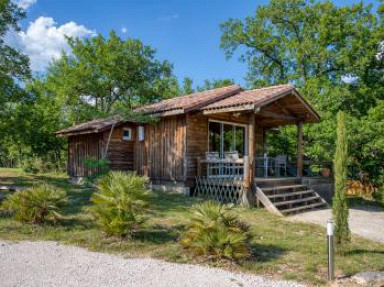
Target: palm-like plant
(37, 205)
(120, 202)
(216, 232)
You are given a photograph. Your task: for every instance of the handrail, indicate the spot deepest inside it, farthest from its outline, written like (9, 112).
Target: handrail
(222, 160)
(221, 165)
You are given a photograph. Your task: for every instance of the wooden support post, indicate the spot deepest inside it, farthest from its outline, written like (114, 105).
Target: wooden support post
(300, 149)
(251, 144)
(249, 163)
(247, 182)
(198, 166)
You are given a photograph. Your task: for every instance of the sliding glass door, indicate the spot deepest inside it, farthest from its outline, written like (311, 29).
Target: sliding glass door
(226, 137)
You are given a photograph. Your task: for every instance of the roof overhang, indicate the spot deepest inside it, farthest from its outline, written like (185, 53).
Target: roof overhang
(260, 109)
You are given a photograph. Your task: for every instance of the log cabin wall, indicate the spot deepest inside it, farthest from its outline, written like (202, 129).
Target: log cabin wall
(197, 138)
(166, 149)
(141, 152)
(81, 147)
(120, 152)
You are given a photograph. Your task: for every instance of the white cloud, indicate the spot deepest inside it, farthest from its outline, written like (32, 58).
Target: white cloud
(44, 40)
(124, 30)
(169, 17)
(25, 4)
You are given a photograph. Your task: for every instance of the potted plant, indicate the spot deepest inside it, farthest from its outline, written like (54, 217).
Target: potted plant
(325, 172)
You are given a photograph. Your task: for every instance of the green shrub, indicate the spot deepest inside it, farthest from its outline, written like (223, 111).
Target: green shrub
(121, 202)
(37, 205)
(101, 166)
(36, 165)
(216, 232)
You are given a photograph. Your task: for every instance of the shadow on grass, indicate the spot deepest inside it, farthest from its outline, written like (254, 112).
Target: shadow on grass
(360, 203)
(158, 234)
(58, 182)
(363, 252)
(268, 252)
(164, 202)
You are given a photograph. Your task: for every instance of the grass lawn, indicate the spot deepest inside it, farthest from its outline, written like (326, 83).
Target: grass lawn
(282, 249)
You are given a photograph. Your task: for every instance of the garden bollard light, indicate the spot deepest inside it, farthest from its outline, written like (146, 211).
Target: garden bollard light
(330, 250)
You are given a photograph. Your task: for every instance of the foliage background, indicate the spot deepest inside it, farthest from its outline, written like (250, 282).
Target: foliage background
(333, 54)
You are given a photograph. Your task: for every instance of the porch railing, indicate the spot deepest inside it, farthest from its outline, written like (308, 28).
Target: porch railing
(220, 167)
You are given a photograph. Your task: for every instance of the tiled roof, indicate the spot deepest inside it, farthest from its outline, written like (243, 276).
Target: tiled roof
(258, 97)
(94, 126)
(190, 102)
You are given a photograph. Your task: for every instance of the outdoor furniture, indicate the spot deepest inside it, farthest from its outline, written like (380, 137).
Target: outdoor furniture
(264, 164)
(213, 169)
(281, 164)
(232, 169)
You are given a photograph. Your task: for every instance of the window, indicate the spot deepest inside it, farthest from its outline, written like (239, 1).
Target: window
(140, 133)
(127, 134)
(226, 137)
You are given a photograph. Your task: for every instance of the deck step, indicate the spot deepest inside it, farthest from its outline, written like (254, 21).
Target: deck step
(282, 187)
(295, 201)
(287, 194)
(304, 207)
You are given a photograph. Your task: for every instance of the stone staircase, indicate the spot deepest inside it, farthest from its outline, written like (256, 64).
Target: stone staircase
(286, 196)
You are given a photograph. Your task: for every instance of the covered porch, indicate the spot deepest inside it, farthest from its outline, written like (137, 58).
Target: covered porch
(236, 159)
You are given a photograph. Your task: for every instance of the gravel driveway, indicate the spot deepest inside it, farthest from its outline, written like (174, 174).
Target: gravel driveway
(52, 264)
(367, 222)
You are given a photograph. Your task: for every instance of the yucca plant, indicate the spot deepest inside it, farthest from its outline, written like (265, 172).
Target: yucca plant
(216, 232)
(120, 202)
(36, 205)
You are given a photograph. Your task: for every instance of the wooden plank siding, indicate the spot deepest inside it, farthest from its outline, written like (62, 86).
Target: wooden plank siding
(79, 148)
(120, 153)
(197, 137)
(167, 149)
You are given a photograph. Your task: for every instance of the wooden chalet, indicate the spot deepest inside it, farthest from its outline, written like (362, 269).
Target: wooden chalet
(209, 143)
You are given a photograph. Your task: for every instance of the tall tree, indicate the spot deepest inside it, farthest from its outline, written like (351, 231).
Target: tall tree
(339, 203)
(215, 83)
(102, 74)
(313, 44)
(13, 64)
(14, 68)
(332, 53)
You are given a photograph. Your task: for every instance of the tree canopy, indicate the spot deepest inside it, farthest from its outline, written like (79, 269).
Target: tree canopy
(334, 56)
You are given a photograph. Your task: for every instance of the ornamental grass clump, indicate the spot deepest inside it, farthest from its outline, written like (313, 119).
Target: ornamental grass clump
(37, 205)
(215, 232)
(120, 203)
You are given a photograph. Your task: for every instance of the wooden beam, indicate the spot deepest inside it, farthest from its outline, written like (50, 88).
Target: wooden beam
(230, 109)
(269, 114)
(300, 149)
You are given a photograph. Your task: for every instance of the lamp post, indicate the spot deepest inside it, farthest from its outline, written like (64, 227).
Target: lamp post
(330, 249)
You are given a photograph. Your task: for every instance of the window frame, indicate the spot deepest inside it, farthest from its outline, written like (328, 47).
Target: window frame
(233, 124)
(127, 138)
(141, 133)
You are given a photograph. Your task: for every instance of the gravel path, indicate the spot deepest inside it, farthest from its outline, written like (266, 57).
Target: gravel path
(367, 222)
(52, 264)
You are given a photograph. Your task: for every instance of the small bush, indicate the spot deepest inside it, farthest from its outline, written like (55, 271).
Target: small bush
(41, 165)
(101, 166)
(37, 205)
(120, 202)
(216, 232)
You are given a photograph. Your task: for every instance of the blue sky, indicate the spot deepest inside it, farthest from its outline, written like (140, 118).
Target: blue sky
(185, 32)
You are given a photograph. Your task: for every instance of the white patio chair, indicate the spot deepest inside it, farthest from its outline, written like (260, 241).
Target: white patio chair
(214, 167)
(232, 168)
(281, 164)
